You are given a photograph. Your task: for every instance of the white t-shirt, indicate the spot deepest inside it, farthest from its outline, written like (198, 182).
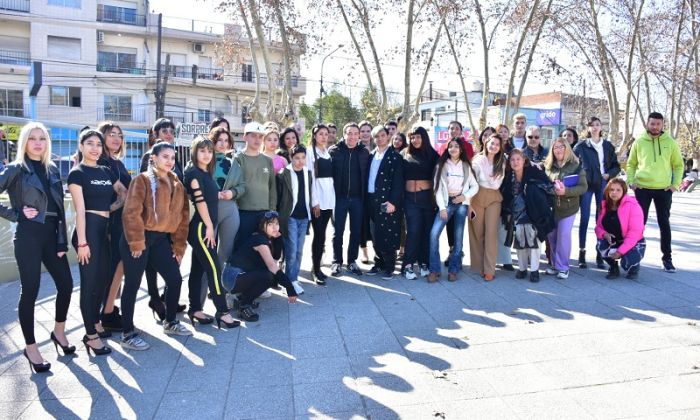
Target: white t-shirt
(601, 153)
(519, 142)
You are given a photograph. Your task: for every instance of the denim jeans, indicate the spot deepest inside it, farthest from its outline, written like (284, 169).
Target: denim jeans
(420, 213)
(294, 245)
(459, 213)
(586, 211)
(355, 208)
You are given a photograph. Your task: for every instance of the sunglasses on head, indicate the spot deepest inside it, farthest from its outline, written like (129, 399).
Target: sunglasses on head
(271, 215)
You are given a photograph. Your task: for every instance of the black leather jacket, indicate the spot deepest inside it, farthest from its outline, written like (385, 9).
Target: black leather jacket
(25, 189)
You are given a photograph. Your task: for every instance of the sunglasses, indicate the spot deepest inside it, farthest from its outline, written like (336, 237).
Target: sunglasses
(168, 130)
(121, 136)
(271, 215)
(533, 137)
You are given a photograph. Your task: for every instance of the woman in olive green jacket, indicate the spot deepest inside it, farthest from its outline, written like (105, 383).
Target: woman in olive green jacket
(564, 169)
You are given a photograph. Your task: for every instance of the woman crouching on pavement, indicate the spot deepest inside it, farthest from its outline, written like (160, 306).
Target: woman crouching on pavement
(620, 230)
(253, 268)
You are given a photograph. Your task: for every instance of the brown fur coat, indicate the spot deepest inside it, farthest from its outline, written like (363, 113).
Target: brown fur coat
(171, 215)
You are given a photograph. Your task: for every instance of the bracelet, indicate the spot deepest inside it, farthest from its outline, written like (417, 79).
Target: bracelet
(82, 245)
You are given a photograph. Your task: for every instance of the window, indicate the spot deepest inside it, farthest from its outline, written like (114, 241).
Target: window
(117, 62)
(64, 96)
(118, 108)
(247, 74)
(119, 14)
(204, 110)
(245, 117)
(11, 103)
(63, 48)
(65, 3)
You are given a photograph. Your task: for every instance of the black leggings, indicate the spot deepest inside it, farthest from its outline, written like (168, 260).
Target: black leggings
(152, 282)
(204, 260)
(251, 285)
(159, 254)
(320, 226)
(94, 276)
(36, 243)
(116, 231)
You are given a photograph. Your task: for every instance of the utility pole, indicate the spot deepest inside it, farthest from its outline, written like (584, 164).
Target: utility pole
(159, 95)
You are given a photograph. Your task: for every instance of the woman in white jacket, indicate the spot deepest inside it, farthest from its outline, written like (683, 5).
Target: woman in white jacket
(455, 184)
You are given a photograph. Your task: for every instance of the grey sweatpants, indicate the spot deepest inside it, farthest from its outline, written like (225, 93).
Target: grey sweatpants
(227, 227)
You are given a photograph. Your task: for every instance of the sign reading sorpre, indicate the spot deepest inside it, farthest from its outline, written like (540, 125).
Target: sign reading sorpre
(192, 129)
(548, 117)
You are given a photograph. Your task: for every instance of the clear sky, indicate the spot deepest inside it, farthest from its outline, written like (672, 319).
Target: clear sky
(344, 62)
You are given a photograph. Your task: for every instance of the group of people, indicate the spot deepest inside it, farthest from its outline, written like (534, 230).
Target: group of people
(253, 209)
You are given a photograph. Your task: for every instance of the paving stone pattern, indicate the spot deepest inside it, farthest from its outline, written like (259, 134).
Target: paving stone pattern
(585, 347)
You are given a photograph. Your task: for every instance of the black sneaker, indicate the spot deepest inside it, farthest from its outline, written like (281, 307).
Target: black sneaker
(582, 259)
(521, 274)
(335, 269)
(388, 275)
(599, 262)
(248, 315)
(508, 267)
(354, 269)
(373, 271)
(613, 271)
(112, 321)
(535, 277)
(668, 266)
(633, 273)
(319, 278)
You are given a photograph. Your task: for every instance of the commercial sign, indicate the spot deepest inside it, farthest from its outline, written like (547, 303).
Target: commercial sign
(548, 117)
(192, 129)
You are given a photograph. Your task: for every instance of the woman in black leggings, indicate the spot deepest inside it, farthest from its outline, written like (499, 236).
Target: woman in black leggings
(91, 187)
(34, 187)
(253, 268)
(323, 196)
(204, 194)
(156, 216)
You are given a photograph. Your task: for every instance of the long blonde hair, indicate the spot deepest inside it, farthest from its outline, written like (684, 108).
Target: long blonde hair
(569, 155)
(24, 140)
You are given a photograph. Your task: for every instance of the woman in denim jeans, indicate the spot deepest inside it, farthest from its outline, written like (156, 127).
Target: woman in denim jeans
(455, 184)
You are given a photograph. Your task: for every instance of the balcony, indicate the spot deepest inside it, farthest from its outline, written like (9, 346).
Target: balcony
(186, 72)
(279, 80)
(15, 58)
(139, 71)
(113, 14)
(137, 115)
(179, 116)
(15, 5)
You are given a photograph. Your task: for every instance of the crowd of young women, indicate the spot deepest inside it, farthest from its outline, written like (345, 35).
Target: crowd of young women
(513, 193)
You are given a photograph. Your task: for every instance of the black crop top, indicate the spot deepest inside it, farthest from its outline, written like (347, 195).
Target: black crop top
(419, 167)
(208, 189)
(325, 167)
(97, 183)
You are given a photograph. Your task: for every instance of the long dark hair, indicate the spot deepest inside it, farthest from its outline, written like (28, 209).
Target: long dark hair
(216, 122)
(591, 120)
(215, 134)
(314, 130)
(573, 133)
(404, 141)
(480, 140)
(425, 146)
(105, 128)
(202, 142)
(609, 204)
(282, 145)
(446, 155)
(499, 160)
(84, 135)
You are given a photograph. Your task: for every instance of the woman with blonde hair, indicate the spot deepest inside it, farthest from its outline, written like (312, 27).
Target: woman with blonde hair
(33, 185)
(569, 178)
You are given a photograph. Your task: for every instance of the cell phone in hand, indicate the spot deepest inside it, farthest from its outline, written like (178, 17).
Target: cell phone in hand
(383, 208)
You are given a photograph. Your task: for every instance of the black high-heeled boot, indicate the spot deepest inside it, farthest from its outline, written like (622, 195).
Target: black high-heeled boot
(180, 308)
(158, 308)
(97, 351)
(66, 349)
(582, 259)
(37, 367)
(613, 271)
(233, 324)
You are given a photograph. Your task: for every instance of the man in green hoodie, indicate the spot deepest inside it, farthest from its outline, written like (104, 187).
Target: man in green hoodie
(654, 172)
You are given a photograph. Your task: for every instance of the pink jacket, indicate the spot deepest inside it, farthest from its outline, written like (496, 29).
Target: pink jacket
(631, 220)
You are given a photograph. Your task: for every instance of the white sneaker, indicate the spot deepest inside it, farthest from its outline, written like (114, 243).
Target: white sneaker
(408, 273)
(563, 275)
(551, 271)
(424, 270)
(266, 294)
(298, 288)
(133, 342)
(175, 328)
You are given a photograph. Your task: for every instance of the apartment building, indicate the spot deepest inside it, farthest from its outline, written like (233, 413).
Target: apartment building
(100, 58)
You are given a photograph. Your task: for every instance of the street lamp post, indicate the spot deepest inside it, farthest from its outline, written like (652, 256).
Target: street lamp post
(321, 92)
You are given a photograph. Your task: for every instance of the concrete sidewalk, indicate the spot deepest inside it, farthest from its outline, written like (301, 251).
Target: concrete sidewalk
(585, 347)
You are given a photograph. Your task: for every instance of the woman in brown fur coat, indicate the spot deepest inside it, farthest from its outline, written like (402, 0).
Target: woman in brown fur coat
(156, 218)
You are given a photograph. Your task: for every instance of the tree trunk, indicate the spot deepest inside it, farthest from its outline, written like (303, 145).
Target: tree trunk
(485, 47)
(608, 78)
(262, 45)
(461, 77)
(630, 61)
(254, 107)
(289, 111)
(415, 113)
(407, 60)
(356, 45)
(533, 47)
(676, 53)
(516, 58)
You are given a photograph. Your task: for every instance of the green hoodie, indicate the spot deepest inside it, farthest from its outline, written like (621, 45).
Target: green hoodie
(655, 162)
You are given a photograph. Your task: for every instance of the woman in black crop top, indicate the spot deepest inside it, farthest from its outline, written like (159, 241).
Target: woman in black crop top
(91, 187)
(204, 194)
(112, 152)
(318, 160)
(419, 161)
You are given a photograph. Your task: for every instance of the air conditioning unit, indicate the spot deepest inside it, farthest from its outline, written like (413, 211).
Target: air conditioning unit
(198, 48)
(100, 37)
